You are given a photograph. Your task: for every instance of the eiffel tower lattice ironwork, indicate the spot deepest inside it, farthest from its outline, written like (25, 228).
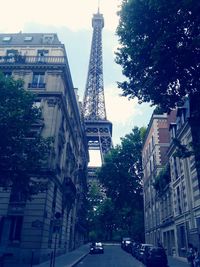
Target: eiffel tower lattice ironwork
(98, 128)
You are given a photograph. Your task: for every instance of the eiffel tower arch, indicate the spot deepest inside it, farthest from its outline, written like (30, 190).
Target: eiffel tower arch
(98, 128)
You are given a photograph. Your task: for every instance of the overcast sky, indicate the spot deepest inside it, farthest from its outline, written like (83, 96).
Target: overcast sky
(71, 20)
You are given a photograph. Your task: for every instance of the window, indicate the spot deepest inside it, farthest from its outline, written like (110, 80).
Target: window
(11, 52)
(183, 116)
(15, 228)
(28, 38)
(173, 131)
(42, 54)
(6, 38)
(174, 165)
(179, 200)
(38, 80)
(48, 38)
(11, 55)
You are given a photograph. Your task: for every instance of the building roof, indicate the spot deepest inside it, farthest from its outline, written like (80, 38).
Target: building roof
(29, 39)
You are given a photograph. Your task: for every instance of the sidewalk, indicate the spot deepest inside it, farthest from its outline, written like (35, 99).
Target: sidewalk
(177, 262)
(69, 259)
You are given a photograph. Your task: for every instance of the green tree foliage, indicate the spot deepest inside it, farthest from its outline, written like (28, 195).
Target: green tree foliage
(121, 175)
(95, 198)
(159, 51)
(162, 180)
(101, 213)
(107, 219)
(21, 153)
(101, 217)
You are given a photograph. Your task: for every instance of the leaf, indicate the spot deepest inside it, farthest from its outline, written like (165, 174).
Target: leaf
(22, 154)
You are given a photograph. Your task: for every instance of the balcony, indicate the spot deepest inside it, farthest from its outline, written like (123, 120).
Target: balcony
(167, 221)
(36, 85)
(33, 60)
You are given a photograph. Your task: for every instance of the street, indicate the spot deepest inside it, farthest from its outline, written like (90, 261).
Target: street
(114, 256)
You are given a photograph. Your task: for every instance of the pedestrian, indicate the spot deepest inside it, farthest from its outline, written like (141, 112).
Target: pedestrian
(190, 255)
(196, 258)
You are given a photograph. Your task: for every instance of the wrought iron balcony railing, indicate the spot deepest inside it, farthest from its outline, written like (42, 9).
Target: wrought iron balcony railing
(37, 85)
(19, 59)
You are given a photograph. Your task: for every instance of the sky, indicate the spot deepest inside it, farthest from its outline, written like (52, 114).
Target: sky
(71, 20)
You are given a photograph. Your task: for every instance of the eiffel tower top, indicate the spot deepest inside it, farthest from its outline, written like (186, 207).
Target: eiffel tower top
(98, 17)
(94, 101)
(98, 5)
(98, 20)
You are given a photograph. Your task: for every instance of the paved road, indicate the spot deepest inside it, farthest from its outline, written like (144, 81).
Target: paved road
(114, 256)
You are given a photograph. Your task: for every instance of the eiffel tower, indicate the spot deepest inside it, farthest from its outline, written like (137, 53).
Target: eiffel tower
(98, 128)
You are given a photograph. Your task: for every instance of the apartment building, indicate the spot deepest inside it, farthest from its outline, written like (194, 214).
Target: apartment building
(30, 231)
(158, 212)
(184, 182)
(171, 180)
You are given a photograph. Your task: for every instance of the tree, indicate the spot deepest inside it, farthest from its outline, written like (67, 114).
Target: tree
(121, 175)
(162, 180)
(159, 51)
(101, 213)
(95, 199)
(22, 151)
(107, 219)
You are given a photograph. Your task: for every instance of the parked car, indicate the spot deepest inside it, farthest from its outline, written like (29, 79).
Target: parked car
(142, 251)
(137, 251)
(126, 244)
(96, 247)
(156, 257)
(134, 249)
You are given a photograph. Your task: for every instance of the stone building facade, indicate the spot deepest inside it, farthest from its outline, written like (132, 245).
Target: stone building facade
(184, 183)
(172, 200)
(30, 229)
(158, 211)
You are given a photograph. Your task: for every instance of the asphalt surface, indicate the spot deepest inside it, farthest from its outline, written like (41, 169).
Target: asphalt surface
(114, 256)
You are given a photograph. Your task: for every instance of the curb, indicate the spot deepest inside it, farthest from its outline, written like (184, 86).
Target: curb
(77, 261)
